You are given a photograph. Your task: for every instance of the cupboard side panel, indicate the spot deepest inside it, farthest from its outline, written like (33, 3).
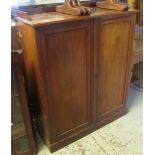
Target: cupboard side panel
(34, 79)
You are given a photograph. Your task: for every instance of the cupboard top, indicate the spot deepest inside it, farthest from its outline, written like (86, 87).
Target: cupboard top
(43, 19)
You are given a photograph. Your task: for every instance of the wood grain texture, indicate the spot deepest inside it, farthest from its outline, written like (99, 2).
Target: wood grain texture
(67, 70)
(69, 95)
(36, 93)
(77, 72)
(44, 19)
(112, 64)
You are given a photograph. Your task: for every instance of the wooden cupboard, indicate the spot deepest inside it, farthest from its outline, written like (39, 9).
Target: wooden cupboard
(78, 70)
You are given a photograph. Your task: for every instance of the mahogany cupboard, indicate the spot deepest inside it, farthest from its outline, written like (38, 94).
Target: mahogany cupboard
(78, 70)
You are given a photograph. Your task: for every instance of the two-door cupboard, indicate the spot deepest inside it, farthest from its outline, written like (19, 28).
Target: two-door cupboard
(78, 70)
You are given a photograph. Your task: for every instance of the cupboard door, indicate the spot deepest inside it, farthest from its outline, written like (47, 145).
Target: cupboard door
(64, 53)
(112, 65)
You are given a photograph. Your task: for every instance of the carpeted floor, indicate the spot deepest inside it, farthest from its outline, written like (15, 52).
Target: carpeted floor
(121, 137)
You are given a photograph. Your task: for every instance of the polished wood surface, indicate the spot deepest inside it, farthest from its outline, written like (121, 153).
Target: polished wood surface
(43, 19)
(77, 71)
(112, 64)
(67, 68)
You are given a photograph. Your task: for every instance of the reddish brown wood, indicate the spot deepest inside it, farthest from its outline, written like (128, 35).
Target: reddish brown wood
(113, 64)
(74, 66)
(77, 71)
(45, 19)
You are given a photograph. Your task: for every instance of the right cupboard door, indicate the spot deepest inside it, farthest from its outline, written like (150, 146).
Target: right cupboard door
(112, 63)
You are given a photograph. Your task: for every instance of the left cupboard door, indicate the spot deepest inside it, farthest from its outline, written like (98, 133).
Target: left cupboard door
(65, 54)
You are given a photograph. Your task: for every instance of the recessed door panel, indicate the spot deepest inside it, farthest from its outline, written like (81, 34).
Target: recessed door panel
(68, 77)
(112, 63)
